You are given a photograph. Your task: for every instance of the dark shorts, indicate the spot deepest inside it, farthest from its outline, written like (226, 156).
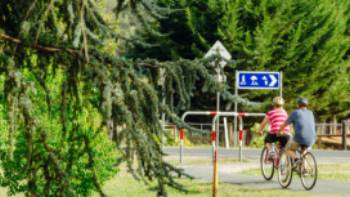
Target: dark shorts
(293, 145)
(272, 138)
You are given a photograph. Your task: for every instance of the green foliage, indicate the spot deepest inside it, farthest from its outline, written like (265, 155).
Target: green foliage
(65, 92)
(53, 151)
(307, 40)
(257, 139)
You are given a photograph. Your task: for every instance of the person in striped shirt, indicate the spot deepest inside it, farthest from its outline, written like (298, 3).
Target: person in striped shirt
(276, 117)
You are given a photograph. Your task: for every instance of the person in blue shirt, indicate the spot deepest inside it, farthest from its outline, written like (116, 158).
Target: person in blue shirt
(303, 121)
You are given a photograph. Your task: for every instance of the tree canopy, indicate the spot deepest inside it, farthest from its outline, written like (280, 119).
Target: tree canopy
(65, 92)
(306, 40)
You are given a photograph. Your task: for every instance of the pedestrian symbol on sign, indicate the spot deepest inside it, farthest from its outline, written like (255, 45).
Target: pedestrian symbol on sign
(254, 80)
(243, 81)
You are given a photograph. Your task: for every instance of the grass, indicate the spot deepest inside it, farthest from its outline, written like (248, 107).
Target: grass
(201, 160)
(123, 185)
(335, 172)
(339, 172)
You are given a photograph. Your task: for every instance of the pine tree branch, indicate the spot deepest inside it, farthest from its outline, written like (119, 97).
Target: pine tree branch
(54, 49)
(48, 49)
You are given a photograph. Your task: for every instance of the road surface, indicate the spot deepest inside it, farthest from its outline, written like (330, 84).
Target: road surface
(323, 156)
(230, 173)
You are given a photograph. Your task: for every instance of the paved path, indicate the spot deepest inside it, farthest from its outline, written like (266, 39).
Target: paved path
(257, 182)
(230, 173)
(323, 156)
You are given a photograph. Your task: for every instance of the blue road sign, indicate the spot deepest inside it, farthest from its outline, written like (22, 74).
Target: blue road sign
(258, 80)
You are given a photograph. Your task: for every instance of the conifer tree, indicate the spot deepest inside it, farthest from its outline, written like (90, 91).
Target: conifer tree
(64, 91)
(307, 40)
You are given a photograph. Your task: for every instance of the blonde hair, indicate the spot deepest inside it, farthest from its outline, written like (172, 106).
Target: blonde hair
(278, 101)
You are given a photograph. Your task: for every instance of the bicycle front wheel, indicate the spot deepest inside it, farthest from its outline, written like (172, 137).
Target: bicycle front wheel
(285, 172)
(308, 171)
(266, 165)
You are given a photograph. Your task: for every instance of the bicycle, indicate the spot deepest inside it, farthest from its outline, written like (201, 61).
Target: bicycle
(305, 166)
(268, 163)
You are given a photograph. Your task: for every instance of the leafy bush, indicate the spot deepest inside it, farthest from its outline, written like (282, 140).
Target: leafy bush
(83, 158)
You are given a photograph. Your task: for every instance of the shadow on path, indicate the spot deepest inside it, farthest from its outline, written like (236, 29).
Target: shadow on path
(204, 172)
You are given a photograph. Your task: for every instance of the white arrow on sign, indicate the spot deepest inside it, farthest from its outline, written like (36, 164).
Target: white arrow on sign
(219, 49)
(265, 80)
(273, 80)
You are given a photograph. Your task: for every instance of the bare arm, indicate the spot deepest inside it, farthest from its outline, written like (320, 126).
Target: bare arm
(262, 125)
(283, 126)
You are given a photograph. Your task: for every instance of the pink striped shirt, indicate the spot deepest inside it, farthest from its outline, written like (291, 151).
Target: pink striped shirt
(276, 118)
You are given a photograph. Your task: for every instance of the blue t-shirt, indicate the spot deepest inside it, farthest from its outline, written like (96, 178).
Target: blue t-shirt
(304, 125)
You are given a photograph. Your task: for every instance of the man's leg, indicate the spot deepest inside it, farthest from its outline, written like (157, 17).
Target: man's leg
(303, 149)
(291, 148)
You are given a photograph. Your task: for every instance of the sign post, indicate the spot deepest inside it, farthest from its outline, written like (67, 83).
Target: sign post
(161, 82)
(218, 49)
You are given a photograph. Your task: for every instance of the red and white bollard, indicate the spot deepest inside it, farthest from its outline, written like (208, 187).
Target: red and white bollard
(182, 137)
(240, 116)
(182, 131)
(215, 177)
(213, 138)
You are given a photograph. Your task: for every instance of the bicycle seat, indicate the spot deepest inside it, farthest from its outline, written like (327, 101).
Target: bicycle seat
(303, 147)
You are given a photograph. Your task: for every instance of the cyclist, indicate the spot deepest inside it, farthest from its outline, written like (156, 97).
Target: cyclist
(276, 117)
(303, 121)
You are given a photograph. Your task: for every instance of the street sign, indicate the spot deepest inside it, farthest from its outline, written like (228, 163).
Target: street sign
(258, 80)
(219, 49)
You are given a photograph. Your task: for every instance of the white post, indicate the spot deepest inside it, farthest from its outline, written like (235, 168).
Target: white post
(227, 144)
(163, 123)
(218, 121)
(236, 110)
(175, 134)
(281, 84)
(240, 138)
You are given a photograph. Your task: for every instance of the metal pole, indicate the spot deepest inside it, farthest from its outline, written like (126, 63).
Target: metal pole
(163, 121)
(236, 110)
(175, 134)
(182, 135)
(161, 82)
(182, 130)
(218, 121)
(218, 99)
(227, 145)
(215, 116)
(215, 181)
(281, 84)
(240, 153)
(344, 135)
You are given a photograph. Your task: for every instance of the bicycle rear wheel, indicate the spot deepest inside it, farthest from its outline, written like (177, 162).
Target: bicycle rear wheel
(266, 165)
(308, 171)
(285, 172)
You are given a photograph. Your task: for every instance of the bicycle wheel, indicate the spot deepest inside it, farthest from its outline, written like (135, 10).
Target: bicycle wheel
(266, 165)
(285, 172)
(308, 171)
